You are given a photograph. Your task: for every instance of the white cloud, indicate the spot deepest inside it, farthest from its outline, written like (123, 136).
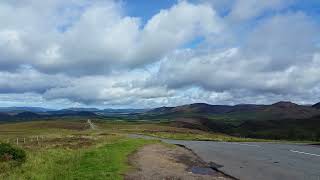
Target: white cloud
(247, 9)
(74, 53)
(283, 63)
(100, 38)
(291, 39)
(28, 80)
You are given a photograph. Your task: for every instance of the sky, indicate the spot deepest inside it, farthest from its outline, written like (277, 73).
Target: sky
(151, 53)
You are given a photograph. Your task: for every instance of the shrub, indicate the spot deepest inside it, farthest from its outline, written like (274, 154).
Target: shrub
(8, 153)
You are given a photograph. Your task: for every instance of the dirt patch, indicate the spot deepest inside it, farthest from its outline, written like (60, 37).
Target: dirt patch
(160, 162)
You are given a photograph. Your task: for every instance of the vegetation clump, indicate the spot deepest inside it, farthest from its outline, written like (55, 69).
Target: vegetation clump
(10, 153)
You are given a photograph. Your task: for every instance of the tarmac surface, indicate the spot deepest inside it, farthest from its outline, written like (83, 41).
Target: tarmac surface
(258, 161)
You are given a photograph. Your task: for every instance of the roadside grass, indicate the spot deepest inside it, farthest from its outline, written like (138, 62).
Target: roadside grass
(103, 161)
(69, 153)
(203, 137)
(108, 161)
(70, 150)
(163, 130)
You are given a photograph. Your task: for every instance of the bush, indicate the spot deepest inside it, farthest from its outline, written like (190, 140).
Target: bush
(8, 153)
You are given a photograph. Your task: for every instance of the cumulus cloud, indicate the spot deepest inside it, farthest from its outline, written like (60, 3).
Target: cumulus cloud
(27, 79)
(291, 39)
(118, 88)
(213, 72)
(283, 63)
(100, 38)
(247, 9)
(75, 53)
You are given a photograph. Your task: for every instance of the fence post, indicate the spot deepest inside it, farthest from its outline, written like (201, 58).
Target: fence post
(17, 141)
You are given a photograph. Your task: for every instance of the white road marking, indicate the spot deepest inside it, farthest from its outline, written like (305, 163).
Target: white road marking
(242, 144)
(305, 153)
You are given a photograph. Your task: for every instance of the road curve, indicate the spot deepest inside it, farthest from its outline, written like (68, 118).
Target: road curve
(259, 161)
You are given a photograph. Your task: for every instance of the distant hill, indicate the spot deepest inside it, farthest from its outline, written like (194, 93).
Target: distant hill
(127, 111)
(22, 109)
(317, 106)
(85, 113)
(67, 112)
(5, 117)
(279, 110)
(160, 110)
(83, 109)
(102, 112)
(70, 111)
(204, 108)
(289, 110)
(281, 120)
(27, 115)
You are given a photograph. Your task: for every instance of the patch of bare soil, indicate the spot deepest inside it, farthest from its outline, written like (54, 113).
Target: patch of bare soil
(160, 162)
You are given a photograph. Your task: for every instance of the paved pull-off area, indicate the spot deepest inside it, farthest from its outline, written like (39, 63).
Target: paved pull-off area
(259, 161)
(160, 162)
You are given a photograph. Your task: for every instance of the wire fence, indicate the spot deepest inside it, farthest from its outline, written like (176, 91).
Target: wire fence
(21, 141)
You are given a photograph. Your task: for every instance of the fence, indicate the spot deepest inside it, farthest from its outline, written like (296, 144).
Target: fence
(20, 141)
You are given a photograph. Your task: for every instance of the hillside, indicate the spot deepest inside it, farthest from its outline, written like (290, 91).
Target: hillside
(27, 115)
(23, 109)
(5, 117)
(241, 112)
(281, 120)
(289, 110)
(205, 109)
(291, 129)
(317, 106)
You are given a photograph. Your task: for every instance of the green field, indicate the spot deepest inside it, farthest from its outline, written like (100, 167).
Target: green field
(67, 150)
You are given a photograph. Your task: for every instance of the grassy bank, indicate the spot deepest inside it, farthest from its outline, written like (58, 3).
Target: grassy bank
(203, 137)
(66, 151)
(104, 161)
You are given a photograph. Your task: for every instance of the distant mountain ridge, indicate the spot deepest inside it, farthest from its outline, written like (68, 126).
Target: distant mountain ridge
(206, 108)
(317, 106)
(281, 120)
(21, 109)
(26, 115)
(82, 109)
(282, 109)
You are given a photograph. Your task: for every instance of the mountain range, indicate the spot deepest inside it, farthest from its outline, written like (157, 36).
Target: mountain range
(279, 110)
(281, 120)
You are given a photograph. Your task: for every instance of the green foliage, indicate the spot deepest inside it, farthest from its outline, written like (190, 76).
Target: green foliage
(202, 137)
(8, 153)
(107, 160)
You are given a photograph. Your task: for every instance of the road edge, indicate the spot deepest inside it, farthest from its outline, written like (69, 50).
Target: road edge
(212, 167)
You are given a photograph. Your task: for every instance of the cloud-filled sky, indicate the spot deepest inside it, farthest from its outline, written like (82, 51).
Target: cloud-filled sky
(143, 54)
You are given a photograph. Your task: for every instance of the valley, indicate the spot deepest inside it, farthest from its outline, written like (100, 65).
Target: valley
(89, 144)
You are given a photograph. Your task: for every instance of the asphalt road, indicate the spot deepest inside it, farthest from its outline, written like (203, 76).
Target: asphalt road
(259, 161)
